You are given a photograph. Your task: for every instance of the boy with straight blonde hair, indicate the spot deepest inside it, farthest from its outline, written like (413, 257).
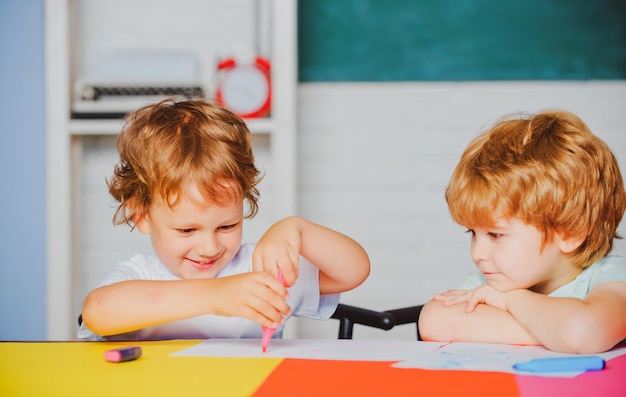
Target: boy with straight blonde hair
(542, 197)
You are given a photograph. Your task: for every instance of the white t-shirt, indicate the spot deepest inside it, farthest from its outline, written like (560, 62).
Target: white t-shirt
(609, 268)
(304, 301)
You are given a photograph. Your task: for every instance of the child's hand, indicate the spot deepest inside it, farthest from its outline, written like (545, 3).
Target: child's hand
(279, 248)
(258, 296)
(483, 294)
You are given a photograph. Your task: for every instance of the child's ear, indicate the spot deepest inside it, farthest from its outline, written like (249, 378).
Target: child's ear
(568, 244)
(142, 223)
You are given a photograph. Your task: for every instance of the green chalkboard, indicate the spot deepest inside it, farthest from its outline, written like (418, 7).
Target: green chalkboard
(434, 40)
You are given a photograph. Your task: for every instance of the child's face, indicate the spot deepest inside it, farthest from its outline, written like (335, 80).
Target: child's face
(512, 255)
(195, 239)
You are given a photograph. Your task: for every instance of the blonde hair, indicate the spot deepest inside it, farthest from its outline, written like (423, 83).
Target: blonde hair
(548, 170)
(163, 147)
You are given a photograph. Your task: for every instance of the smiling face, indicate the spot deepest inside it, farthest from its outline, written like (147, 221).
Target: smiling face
(514, 255)
(194, 238)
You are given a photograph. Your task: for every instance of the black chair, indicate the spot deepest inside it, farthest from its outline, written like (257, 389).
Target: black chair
(348, 316)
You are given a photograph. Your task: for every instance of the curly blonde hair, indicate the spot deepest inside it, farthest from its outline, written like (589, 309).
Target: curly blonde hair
(164, 146)
(548, 170)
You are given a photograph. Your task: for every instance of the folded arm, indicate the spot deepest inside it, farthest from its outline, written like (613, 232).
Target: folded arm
(571, 325)
(486, 324)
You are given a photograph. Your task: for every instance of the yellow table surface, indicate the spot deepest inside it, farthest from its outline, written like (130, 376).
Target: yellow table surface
(79, 369)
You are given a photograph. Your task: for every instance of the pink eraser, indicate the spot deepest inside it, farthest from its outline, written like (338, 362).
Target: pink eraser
(122, 354)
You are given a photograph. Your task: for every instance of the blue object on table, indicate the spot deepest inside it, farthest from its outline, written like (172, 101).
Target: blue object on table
(562, 364)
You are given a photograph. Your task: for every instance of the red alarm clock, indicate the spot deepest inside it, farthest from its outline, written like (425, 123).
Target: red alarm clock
(245, 89)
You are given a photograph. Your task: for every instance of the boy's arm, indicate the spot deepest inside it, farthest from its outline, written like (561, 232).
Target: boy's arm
(486, 324)
(572, 325)
(136, 304)
(342, 262)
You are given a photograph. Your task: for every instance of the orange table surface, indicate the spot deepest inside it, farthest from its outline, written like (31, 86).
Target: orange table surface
(79, 369)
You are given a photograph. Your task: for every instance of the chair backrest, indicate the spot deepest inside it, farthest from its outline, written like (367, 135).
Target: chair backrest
(348, 316)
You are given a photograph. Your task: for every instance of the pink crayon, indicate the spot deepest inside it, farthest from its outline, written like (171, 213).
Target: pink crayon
(267, 331)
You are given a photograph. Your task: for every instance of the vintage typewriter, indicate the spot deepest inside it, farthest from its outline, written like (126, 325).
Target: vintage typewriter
(127, 81)
(112, 101)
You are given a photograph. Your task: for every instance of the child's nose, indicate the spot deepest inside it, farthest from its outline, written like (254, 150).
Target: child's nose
(208, 246)
(479, 250)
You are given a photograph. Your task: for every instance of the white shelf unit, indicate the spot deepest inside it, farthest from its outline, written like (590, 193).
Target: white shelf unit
(112, 127)
(65, 137)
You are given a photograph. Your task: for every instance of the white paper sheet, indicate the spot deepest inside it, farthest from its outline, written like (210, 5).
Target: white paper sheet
(317, 349)
(404, 354)
(491, 357)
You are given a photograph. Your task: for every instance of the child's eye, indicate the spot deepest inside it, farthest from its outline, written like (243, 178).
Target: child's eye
(186, 231)
(470, 231)
(494, 236)
(227, 227)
